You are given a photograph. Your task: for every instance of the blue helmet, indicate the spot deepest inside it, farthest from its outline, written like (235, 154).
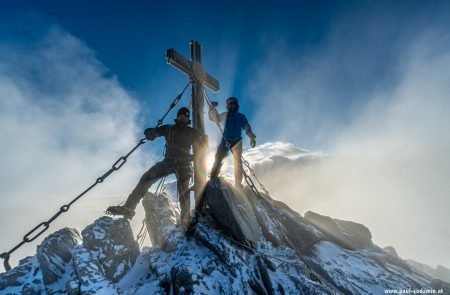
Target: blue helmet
(232, 99)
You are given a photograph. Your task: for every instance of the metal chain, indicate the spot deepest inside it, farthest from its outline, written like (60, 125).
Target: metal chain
(43, 226)
(141, 234)
(173, 104)
(252, 172)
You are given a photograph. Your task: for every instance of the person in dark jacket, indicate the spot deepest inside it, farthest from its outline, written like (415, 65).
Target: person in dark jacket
(179, 139)
(234, 122)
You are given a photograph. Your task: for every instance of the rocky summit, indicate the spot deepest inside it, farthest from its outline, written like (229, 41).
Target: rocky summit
(238, 243)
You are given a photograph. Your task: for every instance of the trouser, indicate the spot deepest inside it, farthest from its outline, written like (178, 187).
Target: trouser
(222, 152)
(183, 172)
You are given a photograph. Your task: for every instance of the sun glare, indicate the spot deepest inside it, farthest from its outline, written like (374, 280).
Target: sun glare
(209, 162)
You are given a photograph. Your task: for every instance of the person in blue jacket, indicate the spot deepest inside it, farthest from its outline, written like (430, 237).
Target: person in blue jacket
(234, 122)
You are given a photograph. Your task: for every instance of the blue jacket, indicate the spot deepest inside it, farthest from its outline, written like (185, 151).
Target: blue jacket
(234, 122)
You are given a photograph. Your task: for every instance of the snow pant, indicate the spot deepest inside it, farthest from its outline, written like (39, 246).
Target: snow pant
(183, 172)
(222, 152)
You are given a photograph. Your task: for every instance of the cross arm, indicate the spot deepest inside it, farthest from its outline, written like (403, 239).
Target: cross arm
(180, 62)
(212, 83)
(191, 69)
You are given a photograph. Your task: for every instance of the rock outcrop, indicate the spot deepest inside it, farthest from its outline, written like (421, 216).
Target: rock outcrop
(440, 272)
(55, 258)
(349, 235)
(161, 217)
(232, 210)
(69, 263)
(112, 245)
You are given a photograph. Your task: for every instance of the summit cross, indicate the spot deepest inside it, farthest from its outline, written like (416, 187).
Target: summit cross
(199, 78)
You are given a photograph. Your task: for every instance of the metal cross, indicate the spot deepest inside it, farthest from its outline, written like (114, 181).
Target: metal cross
(194, 69)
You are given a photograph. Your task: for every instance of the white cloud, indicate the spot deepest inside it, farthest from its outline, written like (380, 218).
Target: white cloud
(64, 120)
(390, 163)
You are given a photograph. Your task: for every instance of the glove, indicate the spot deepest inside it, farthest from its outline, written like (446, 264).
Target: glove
(214, 103)
(150, 134)
(253, 142)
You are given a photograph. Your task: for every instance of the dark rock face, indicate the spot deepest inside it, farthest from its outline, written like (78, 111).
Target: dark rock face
(63, 265)
(233, 211)
(384, 257)
(216, 258)
(390, 250)
(350, 235)
(90, 274)
(26, 278)
(440, 285)
(282, 226)
(55, 257)
(440, 272)
(111, 242)
(161, 217)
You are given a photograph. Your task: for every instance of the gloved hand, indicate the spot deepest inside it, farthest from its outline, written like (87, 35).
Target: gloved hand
(253, 142)
(214, 103)
(150, 134)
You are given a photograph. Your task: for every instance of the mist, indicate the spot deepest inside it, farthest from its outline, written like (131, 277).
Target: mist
(64, 121)
(375, 101)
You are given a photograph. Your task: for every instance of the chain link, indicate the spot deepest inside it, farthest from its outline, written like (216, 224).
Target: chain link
(252, 172)
(43, 226)
(141, 234)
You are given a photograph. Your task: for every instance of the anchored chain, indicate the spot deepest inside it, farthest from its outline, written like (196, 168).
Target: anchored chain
(252, 172)
(43, 226)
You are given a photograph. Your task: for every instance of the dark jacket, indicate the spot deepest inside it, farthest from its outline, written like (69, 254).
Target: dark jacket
(179, 139)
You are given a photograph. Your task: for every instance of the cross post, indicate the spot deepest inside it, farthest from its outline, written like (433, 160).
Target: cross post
(199, 78)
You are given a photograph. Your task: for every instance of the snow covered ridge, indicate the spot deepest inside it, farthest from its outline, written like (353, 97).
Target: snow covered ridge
(272, 150)
(242, 244)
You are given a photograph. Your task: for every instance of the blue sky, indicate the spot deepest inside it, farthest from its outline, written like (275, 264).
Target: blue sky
(365, 81)
(239, 38)
(130, 38)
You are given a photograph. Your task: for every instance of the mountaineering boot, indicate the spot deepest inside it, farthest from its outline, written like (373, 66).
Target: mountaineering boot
(121, 210)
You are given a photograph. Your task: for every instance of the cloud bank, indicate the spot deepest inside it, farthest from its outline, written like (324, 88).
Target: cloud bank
(64, 120)
(384, 122)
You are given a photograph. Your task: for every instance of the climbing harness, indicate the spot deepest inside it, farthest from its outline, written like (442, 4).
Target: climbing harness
(43, 226)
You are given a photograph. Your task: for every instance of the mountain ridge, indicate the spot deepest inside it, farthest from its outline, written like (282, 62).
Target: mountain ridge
(293, 254)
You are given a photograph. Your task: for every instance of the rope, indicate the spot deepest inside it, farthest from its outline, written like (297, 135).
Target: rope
(43, 226)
